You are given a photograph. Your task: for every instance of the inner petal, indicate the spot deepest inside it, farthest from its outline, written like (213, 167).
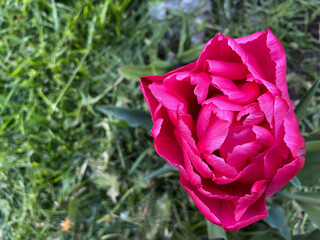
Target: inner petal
(202, 81)
(241, 153)
(232, 70)
(214, 136)
(242, 93)
(252, 114)
(210, 111)
(234, 138)
(220, 165)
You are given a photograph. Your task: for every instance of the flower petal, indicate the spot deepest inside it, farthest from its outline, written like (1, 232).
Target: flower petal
(278, 55)
(292, 137)
(214, 136)
(220, 164)
(245, 202)
(252, 114)
(166, 97)
(223, 103)
(284, 175)
(203, 82)
(235, 138)
(209, 207)
(232, 70)
(263, 136)
(246, 39)
(189, 147)
(266, 103)
(162, 137)
(255, 212)
(240, 154)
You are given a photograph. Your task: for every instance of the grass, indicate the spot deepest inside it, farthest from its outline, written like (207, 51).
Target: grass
(62, 159)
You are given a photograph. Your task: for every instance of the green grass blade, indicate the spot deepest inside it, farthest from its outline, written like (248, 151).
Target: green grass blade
(167, 168)
(301, 108)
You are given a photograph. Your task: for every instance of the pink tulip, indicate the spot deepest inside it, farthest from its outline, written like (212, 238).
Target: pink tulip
(227, 123)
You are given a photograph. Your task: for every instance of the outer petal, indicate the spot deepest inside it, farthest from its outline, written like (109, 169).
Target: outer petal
(284, 175)
(217, 48)
(156, 78)
(221, 212)
(163, 137)
(146, 80)
(245, 202)
(209, 207)
(254, 213)
(268, 51)
(249, 38)
(278, 55)
(292, 137)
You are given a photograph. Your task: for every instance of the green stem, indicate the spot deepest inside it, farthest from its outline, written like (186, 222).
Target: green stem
(215, 231)
(313, 146)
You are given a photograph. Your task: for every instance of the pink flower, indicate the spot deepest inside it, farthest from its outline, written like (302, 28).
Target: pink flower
(227, 123)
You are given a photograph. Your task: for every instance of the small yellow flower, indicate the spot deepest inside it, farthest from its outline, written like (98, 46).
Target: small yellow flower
(66, 224)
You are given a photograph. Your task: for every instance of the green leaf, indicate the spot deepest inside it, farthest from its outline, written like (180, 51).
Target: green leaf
(134, 72)
(73, 205)
(309, 174)
(278, 220)
(313, 146)
(296, 182)
(301, 108)
(215, 231)
(133, 117)
(184, 36)
(190, 55)
(167, 168)
(138, 161)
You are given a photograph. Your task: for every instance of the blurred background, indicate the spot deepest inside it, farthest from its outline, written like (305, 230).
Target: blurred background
(75, 163)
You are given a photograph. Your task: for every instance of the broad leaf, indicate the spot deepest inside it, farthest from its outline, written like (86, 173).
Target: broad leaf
(278, 220)
(133, 117)
(301, 108)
